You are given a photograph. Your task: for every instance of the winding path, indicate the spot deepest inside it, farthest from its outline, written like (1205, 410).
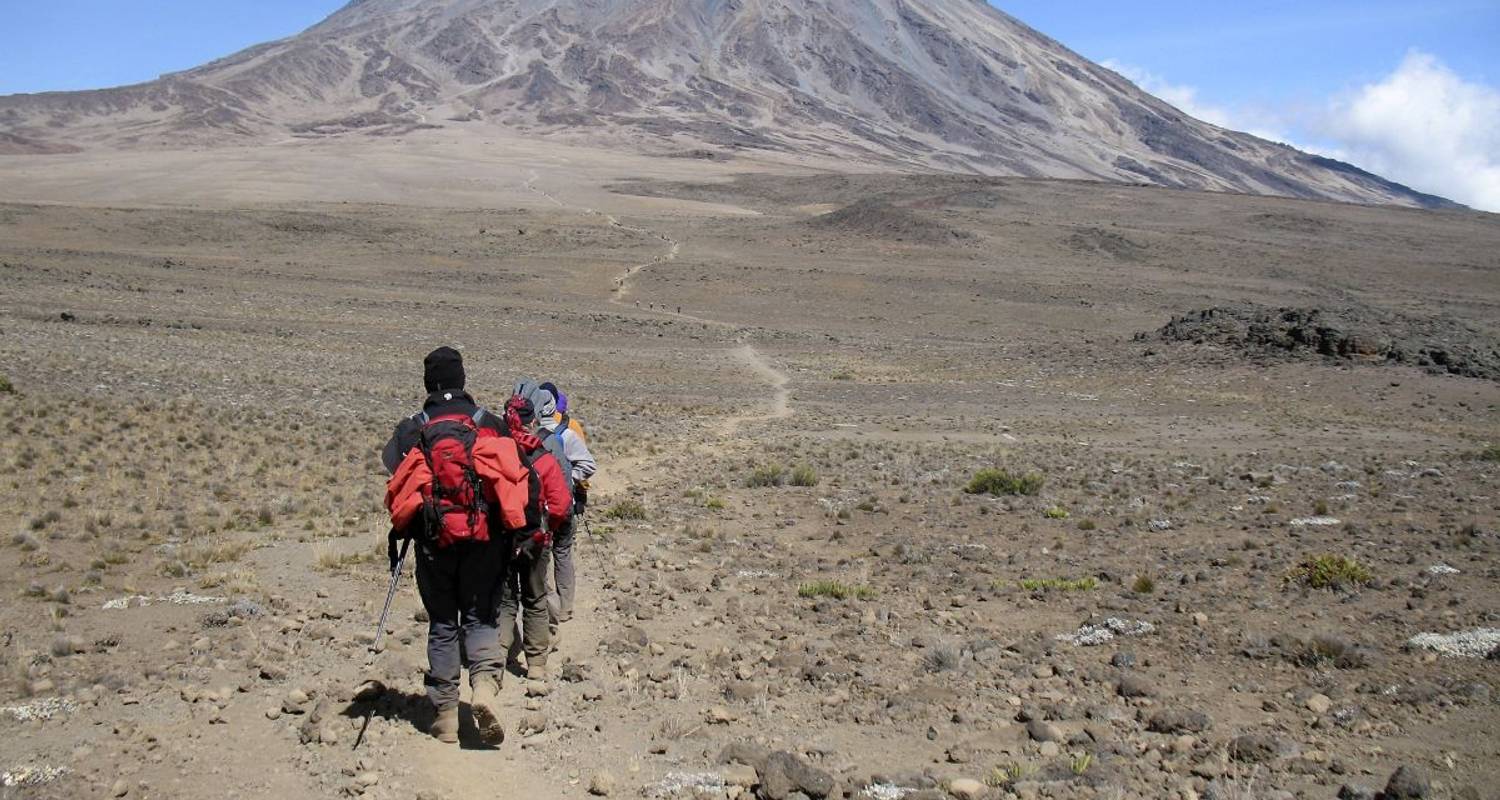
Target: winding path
(746, 354)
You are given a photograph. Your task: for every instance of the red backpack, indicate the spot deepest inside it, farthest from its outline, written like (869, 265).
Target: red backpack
(454, 505)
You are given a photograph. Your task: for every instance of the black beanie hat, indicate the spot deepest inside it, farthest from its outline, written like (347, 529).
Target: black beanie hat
(443, 369)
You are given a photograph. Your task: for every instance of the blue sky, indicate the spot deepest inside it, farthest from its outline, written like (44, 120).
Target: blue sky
(1374, 81)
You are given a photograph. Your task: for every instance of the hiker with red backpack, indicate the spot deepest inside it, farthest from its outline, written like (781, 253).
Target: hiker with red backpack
(461, 489)
(524, 584)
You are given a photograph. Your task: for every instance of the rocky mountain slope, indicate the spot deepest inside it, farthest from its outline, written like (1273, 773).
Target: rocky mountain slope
(952, 85)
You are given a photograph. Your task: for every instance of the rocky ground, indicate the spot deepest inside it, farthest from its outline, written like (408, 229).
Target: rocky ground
(893, 504)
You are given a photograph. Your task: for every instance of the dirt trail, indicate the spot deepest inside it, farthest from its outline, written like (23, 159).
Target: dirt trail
(746, 354)
(781, 400)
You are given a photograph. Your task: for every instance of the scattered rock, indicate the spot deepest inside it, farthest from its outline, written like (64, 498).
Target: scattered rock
(1260, 749)
(1177, 721)
(602, 784)
(1041, 731)
(1407, 783)
(785, 774)
(967, 789)
(1135, 686)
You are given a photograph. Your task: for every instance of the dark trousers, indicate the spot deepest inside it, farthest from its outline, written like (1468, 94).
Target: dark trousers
(459, 585)
(524, 590)
(565, 578)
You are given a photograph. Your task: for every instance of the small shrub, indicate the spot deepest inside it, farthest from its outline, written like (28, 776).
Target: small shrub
(766, 475)
(804, 475)
(331, 561)
(714, 504)
(1330, 572)
(1491, 453)
(836, 590)
(627, 509)
(1056, 512)
(1014, 772)
(219, 553)
(1060, 584)
(942, 659)
(1087, 525)
(1144, 584)
(1321, 509)
(999, 482)
(1081, 764)
(6, 387)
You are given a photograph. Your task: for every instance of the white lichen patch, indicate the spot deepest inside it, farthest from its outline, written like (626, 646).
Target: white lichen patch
(1476, 643)
(685, 784)
(1098, 633)
(1316, 522)
(25, 777)
(179, 597)
(43, 709)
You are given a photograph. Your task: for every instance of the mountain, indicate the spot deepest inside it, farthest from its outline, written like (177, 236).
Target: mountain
(949, 85)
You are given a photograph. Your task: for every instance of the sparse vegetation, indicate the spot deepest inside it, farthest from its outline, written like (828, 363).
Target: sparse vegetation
(1144, 584)
(1056, 512)
(999, 482)
(201, 556)
(1081, 764)
(804, 475)
(1490, 453)
(1060, 584)
(765, 476)
(626, 509)
(333, 561)
(1330, 572)
(6, 387)
(1087, 525)
(836, 590)
(1014, 772)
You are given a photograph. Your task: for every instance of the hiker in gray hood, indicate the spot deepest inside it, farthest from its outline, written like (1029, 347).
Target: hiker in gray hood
(580, 464)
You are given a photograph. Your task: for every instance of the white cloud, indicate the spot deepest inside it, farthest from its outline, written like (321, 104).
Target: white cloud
(1425, 126)
(1187, 100)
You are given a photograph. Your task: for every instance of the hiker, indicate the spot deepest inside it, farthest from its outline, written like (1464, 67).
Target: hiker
(460, 488)
(553, 424)
(562, 415)
(524, 585)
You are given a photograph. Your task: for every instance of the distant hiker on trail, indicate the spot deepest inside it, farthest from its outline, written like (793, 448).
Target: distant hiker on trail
(581, 463)
(460, 488)
(524, 584)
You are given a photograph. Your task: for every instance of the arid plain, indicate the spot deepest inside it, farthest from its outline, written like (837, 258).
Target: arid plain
(1199, 575)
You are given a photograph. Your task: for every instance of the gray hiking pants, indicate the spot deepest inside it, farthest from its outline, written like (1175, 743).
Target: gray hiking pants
(459, 585)
(524, 590)
(565, 579)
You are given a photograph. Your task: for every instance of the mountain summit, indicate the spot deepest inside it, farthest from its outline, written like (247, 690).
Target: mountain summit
(950, 85)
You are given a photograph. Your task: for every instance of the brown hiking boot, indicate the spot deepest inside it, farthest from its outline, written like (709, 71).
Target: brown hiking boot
(444, 726)
(536, 669)
(486, 706)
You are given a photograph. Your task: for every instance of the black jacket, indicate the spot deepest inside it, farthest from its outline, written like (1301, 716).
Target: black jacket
(444, 403)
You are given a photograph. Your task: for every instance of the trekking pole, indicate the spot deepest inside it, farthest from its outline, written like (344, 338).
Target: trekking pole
(390, 595)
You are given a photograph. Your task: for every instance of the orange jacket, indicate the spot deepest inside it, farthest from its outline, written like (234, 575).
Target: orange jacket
(498, 462)
(573, 425)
